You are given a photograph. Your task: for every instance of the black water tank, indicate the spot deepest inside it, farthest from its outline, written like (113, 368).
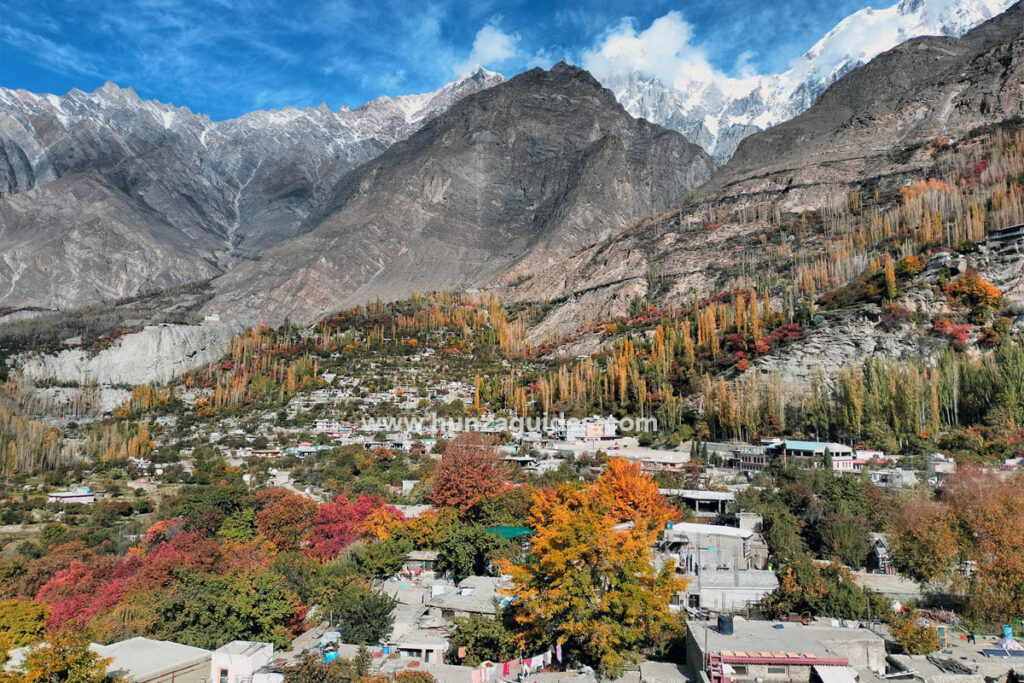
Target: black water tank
(725, 624)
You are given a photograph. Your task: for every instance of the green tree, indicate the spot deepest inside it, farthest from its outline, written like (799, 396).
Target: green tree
(240, 525)
(207, 611)
(485, 639)
(805, 586)
(468, 551)
(361, 615)
(313, 669)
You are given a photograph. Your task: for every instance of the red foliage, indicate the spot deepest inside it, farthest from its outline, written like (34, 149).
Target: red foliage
(95, 584)
(338, 522)
(469, 469)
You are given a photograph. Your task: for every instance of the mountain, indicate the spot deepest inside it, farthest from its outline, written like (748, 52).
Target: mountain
(104, 194)
(874, 131)
(717, 112)
(508, 181)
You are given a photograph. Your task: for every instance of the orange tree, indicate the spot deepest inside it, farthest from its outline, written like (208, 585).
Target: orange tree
(590, 584)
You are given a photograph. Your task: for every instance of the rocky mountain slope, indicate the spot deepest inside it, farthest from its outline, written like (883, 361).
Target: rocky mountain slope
(875, 129)
(103, 194)
(509, 181)
(718, 112)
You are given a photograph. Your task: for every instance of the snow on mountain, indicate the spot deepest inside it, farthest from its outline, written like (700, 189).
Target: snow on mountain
(87, 177)
(717, 111)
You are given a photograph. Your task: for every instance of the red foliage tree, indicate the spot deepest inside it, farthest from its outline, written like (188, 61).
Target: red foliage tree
(339, 522)
(468, 470)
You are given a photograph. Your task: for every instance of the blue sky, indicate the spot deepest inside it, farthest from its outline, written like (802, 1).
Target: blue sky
(226, 57)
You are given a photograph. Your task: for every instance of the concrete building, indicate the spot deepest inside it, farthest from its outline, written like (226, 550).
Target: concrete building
(143, 660)
(80, 494)
(473, 595)
(785, 652)
(808, 454)
(702, 503)
(421, 561)
(240, 661)
(730, 590)
(706, 547)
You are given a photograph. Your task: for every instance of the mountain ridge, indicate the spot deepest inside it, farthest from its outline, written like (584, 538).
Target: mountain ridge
(512, 177)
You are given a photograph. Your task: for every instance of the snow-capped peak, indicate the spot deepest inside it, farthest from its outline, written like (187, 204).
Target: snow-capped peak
(717, 111)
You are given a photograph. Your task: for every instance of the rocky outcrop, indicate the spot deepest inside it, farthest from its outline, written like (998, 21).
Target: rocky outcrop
(511, 180)
(155, 354)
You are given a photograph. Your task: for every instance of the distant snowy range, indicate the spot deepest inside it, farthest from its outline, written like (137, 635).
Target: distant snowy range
(656, 75)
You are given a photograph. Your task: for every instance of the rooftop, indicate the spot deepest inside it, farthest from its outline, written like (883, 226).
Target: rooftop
(143, 658)
(818, 639)
(691, 528)
(242, 647)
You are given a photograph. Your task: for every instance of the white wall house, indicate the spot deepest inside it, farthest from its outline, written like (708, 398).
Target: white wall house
(240, 661)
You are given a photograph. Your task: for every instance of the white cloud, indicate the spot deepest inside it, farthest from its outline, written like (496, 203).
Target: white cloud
(490, 47)
(663, 50)
(744, 64)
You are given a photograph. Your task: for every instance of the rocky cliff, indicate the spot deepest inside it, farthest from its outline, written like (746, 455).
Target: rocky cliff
(508, 182)
(155, 354)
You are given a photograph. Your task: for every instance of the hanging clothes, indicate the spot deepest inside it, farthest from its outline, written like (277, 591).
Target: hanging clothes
(558, 652)
(504, 669)
(477, 676)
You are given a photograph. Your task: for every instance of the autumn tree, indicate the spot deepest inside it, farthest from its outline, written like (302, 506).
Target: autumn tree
(590, 584)
(342, 521)
(66, 657)
(913, 637)
(923, 538)
(286, 519)
(469, 470)
(628, 495)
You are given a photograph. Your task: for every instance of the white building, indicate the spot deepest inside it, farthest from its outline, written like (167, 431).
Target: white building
(240, 661)
(144, 660)
(80, 494)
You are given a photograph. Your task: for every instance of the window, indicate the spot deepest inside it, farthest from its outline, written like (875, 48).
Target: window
(739, 671)
(694, 599)
(223, 676)
(778, 671)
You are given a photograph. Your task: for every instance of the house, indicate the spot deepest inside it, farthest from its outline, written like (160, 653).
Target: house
(240, 661)
(704, 547)
(878, 558)
(652, 460)
(807, 453)
(418, 561)
(727, 590)
(590, 429)
(473, 595)
(702, 503)
(80, 494)
(144, 660)
(744, 651)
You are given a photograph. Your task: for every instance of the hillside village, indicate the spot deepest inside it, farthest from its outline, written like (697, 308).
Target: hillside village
(500, 384)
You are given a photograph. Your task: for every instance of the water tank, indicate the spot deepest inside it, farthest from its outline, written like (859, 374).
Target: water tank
(725, 624)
